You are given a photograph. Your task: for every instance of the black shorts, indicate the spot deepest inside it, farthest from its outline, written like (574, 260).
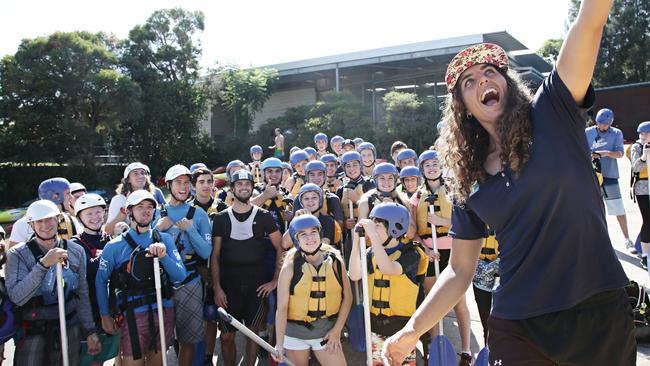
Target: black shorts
(243, 303)
(444, 261)
(598, 331)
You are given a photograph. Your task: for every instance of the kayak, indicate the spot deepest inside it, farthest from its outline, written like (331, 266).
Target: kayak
(12, 215)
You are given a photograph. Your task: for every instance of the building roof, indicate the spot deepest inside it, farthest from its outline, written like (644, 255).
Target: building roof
(441, 47)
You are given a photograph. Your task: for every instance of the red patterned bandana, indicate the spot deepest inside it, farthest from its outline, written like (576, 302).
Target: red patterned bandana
(483, 53)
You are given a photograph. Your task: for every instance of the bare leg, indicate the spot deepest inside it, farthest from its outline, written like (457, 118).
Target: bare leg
(300, 357)
(252, 349)
(464, 325)
(326, 357)
(228, 348)
(185, 354)
(622, 222)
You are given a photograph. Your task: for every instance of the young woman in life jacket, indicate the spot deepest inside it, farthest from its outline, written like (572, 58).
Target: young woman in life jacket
(396, 269)
(368, 158)
(521, 166)
(255, 166)
(385, 177)
(639, 155)
(320, 142)
(298, 160)
(433, 192)
(314, 297)
(90, 210)
(332, 166)
(410, 178)
(31, 281)
(336, 143)
(316, 173)
(311, 201)
(354, 186)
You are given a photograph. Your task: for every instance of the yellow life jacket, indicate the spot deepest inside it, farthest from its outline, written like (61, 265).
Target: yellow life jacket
(230, 198)
(315, 294)
(490, 249)
(257, 173)
(298, 181)
(397, 295)
(66, 229)
(643, 174)
(345, 202)
(441, 206)
(330, 185)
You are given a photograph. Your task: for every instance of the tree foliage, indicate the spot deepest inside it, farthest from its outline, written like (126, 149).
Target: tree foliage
(624, 55)
(61, 96)
(550, 49)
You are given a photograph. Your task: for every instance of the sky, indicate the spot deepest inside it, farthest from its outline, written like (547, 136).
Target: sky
(259, 33)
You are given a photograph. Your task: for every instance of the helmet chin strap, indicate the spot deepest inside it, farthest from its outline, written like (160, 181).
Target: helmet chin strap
(45, 239)
(169, 186)
(89, 228)
(385, 243)
(314, 252)
(140, 225)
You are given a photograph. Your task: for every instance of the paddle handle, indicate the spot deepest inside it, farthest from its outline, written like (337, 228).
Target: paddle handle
(62, 322)
(159, 303)
(366, 298)
(351, 208)
(250, 334)
(436, 263)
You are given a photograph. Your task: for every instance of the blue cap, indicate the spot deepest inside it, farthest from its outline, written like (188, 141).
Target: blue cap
(271, 163)
(256, 149)
(367, 145)
(605, 116)
(384, 168)
(643, 127)
(396, 215)
(301, 223)
(350, 156)
(298, 156)
(406, 154)
(311, 187)
(410, 171)
(329, 158)
(320, 137)
(310, 151)
(315, 165)
(52, 190)
(337, 138)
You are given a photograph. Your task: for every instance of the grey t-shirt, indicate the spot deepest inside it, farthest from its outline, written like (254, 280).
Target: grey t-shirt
(319, 329)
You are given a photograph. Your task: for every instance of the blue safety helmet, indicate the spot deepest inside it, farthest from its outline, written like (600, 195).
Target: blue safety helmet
(310, 150)
(298, 156)
(293, 149)
(320, 137)
(384, 168)
(350, 156)
(300, 223)
(286, 165)
(410, 171)
(311, 187)
(329, 158)
(256, 149)
(357, 141)
(196, 166)
(406, 154)
(241, 174)
(315, 165)
(367, 145)
(643, 127)
(337, 138)
(271, 163)
(605, 116)
(395, 215)
(235, 163)
(53, 190)
(426, 155)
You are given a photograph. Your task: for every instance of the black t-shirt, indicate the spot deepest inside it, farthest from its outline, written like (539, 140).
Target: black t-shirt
(334, 208)
(327, 224)
(263, 225)
(549, 219)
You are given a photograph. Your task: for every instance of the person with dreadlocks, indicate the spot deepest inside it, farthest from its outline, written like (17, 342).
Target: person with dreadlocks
(90, 209)
(314, 297)
(522, 167)
(31, 282)
(190, 229)
(126, 270)
(239, 277)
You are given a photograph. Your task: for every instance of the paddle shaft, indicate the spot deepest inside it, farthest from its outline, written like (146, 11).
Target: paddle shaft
(436, 263)
(250, 334)
(366, 298)
(159, 303)
(62, 322)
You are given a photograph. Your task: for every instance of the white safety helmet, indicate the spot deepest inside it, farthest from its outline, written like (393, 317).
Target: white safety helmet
(77, 187)
(175, 172)
(138, 196)
(88, 200)
(133, 166)
(41, 209)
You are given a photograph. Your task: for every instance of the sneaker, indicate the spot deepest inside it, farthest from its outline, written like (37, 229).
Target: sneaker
(644, 262)
(629, 245)
(466, 359)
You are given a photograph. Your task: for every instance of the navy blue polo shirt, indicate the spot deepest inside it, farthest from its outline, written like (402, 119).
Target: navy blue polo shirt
(549, 219)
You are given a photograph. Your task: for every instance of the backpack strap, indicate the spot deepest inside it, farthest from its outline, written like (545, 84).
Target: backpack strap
(298, 261)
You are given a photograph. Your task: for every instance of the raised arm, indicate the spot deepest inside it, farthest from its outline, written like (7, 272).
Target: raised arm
(577, 58)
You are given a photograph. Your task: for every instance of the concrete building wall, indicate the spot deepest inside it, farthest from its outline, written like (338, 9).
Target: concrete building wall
(282, 100)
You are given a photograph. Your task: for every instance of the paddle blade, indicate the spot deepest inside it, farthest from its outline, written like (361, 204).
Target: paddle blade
(441, 353)
(357, 329)
(482, 358)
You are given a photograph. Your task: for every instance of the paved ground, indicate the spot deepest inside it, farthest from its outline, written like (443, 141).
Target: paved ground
(630, 264)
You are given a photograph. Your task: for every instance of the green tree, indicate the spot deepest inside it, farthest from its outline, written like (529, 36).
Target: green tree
(410, 119)
(61, 96)
(624, 55)
(162, 56)
(242, 92)
(551, 49)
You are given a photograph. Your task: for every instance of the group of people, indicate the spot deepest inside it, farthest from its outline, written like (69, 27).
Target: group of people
(282, 248)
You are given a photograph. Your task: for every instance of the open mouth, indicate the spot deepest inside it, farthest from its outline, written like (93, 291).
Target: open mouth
(490, 97)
